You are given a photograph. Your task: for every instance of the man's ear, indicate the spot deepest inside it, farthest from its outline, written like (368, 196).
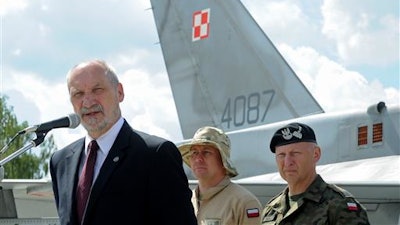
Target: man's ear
(317, 153)
(120, 91)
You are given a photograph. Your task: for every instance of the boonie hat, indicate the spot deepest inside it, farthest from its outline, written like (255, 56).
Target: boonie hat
(292, 133)
(215, 137)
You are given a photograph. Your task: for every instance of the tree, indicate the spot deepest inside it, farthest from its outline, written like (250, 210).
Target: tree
(28, 165)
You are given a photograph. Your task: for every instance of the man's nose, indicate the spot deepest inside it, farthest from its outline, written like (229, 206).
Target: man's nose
(88, 100)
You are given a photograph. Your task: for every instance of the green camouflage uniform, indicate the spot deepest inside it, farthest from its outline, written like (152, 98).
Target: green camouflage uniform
(321, 204)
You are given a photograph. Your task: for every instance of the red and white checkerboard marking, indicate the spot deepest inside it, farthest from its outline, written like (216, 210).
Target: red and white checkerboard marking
(201, 24)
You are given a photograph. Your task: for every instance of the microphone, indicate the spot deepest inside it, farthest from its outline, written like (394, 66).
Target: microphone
(70, 121)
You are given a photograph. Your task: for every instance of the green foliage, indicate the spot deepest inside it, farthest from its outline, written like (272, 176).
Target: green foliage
(29, 165)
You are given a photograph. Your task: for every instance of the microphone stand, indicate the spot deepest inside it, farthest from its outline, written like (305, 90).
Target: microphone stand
(39, 139)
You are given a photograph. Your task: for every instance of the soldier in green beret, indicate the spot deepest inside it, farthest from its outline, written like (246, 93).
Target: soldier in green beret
(308, 199)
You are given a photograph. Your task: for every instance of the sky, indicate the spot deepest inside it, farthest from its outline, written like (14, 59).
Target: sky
(346, 52)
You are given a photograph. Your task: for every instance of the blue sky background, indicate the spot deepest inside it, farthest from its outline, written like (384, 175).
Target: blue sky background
(345, 51)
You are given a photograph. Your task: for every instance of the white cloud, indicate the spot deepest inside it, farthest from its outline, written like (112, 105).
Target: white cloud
(363, 34)
(48, 98)
(284, 21)
(149, 105)
(11, 6)
(335, 87)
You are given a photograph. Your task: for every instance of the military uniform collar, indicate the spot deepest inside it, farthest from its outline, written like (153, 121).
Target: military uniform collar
(313, 192)
(211, 192)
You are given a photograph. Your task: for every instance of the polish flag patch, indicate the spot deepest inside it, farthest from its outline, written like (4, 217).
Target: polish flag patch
(352, 206)
(252, 213)
(201, 24)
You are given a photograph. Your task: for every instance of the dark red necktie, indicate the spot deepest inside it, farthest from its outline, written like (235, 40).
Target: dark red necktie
(86, 179)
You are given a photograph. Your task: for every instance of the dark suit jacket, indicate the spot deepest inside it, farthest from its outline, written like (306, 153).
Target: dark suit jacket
(141, 181)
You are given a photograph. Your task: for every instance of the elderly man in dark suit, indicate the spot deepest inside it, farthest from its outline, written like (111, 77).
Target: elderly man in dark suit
(128, 177)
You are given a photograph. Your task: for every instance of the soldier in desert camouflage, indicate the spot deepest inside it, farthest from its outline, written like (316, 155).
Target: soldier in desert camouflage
(216, 199)
(308, 199)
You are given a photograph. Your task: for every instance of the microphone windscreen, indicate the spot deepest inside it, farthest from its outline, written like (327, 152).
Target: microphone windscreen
(74, 120)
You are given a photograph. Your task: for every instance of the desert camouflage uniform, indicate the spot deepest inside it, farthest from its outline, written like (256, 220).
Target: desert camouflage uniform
(226, 204)
(321, 204)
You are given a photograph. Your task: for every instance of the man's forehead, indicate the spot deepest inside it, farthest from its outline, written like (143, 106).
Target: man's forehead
(294, 146)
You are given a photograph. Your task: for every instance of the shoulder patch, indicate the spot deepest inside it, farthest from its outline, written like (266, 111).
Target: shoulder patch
(351, 206)
(252, 213)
